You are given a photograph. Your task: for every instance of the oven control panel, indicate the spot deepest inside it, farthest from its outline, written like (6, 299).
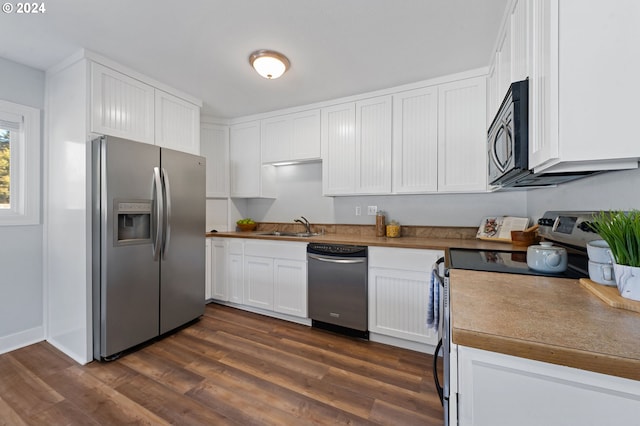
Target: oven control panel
(568, 227)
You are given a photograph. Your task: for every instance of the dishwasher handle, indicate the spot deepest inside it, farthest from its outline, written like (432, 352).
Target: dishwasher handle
(331, 259)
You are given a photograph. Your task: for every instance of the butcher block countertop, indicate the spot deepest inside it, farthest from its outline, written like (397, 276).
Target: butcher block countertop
(554, 320)
(434, 243)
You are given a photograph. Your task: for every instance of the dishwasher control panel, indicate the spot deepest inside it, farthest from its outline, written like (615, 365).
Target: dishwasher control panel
(337, 249)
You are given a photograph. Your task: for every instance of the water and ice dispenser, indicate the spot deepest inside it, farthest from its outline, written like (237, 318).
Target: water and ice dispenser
(133, 221)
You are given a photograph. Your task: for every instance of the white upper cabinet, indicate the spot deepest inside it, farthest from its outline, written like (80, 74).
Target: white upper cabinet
(121, 106)
(338, 149)
(584, 85)
(291, 137)
(373, 146)
(462, 157)
(415, 141)
(177, 123)
(356, 147)
(249, 178)
(214, 145)
(127, 108)
(519, 41)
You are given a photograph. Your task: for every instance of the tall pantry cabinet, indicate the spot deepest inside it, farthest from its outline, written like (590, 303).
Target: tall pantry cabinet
(88, 95)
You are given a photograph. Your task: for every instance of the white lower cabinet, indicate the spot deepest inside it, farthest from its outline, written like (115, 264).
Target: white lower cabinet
(235, 270)
(208, 269)
(290, 295)
(398, 295)
(268, 275)
(496, 389)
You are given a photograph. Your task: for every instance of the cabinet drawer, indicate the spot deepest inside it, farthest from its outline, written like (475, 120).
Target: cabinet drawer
(418, 260)
(276, 249)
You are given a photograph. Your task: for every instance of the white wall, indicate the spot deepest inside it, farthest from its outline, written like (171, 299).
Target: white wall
(300, 193)
(606, 191)
(21, 291)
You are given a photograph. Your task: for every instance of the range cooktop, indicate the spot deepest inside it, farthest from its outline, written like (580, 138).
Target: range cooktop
(510, 262)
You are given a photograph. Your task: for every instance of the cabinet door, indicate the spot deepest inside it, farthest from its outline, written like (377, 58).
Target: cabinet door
(235, 277)
(462, 154)
(208, 279)
(338, 149)
(219, 284)
(373, 146)
(121, 106)
(415, 141)
(290, 279)
(258, 282)
(276, 139)
(497, 389)
(177, 123)
(519, 48)
(398, 304)
(503, 63)
(305, 143)
(543, 84)
(493, 103)
(244, 159)
(214, 146)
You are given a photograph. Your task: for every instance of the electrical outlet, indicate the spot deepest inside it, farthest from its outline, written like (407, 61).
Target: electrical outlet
(372, 210)
(358, 211)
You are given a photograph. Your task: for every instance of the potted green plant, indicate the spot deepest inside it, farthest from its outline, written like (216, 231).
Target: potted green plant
(621, 230)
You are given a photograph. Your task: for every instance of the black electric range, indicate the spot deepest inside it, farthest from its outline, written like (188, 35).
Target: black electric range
(568, 229)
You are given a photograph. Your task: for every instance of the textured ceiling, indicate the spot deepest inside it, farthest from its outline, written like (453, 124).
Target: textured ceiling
(201, 47)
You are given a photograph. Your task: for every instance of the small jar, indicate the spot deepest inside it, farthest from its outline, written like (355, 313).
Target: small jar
(393, 229)
(380, 227)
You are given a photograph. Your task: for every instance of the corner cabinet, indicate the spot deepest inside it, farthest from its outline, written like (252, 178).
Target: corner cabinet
(128, 108)
(398, 295)
(249, 177)
(356, 147)
(496, 389)
(462, 145)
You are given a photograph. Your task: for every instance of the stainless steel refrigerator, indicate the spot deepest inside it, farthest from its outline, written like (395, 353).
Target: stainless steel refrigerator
(148, 242)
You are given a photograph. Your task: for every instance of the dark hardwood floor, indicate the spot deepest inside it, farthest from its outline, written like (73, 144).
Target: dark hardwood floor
(231, 367)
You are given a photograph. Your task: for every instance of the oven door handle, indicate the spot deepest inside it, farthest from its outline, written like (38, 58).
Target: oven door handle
(336, 259)
(502, 166)
(439, 388)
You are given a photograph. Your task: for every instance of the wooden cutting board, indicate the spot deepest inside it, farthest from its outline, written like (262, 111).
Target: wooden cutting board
(610, 295)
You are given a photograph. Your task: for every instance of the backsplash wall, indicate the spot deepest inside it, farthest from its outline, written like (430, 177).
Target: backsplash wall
(300, 194)
(606, 191)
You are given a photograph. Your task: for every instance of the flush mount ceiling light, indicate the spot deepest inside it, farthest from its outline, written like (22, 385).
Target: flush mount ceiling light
(268, 63)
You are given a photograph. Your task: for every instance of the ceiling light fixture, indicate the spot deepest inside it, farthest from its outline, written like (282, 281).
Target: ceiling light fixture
(268, 63)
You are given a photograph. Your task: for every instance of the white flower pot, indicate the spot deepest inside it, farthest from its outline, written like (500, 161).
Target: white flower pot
(628, 281)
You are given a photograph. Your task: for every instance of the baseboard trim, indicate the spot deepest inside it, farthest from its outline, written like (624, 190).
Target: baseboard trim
(21, 339)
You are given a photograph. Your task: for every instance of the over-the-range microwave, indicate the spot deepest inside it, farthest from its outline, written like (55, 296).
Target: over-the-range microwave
(508, 145)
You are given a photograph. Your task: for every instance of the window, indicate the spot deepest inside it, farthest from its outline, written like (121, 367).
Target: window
(19, 164)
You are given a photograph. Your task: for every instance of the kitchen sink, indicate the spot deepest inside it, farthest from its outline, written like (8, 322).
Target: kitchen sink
(290, 234)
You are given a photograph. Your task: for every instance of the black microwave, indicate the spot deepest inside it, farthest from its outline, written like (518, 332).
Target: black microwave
(508, 137)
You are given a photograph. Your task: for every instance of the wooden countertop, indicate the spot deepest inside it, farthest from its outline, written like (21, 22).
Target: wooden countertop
(554, 320)
(406, 242)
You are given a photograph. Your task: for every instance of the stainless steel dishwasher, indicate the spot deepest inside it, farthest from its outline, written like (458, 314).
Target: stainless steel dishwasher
(337, 288)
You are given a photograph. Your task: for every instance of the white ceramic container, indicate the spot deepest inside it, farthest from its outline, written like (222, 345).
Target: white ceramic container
(628, 281)
(602, 273)
(547, 258)
(599, 251)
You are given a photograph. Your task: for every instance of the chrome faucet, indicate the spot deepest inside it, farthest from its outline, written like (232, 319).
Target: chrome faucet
(306, 223)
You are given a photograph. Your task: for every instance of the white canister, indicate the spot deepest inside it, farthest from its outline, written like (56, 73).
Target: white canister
(599, 251)
(547, 258)
(602, 273)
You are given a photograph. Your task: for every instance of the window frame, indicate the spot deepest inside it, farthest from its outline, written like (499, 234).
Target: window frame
(25, 175)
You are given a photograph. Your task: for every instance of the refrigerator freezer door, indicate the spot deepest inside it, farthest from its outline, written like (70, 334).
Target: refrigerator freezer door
(182, 269)
(126, 295)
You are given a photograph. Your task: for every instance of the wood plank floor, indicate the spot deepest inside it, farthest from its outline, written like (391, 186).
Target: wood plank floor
(231, 367)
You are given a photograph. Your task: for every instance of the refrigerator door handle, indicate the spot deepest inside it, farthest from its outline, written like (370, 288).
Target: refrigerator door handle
(167, 193)
(157, 243)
